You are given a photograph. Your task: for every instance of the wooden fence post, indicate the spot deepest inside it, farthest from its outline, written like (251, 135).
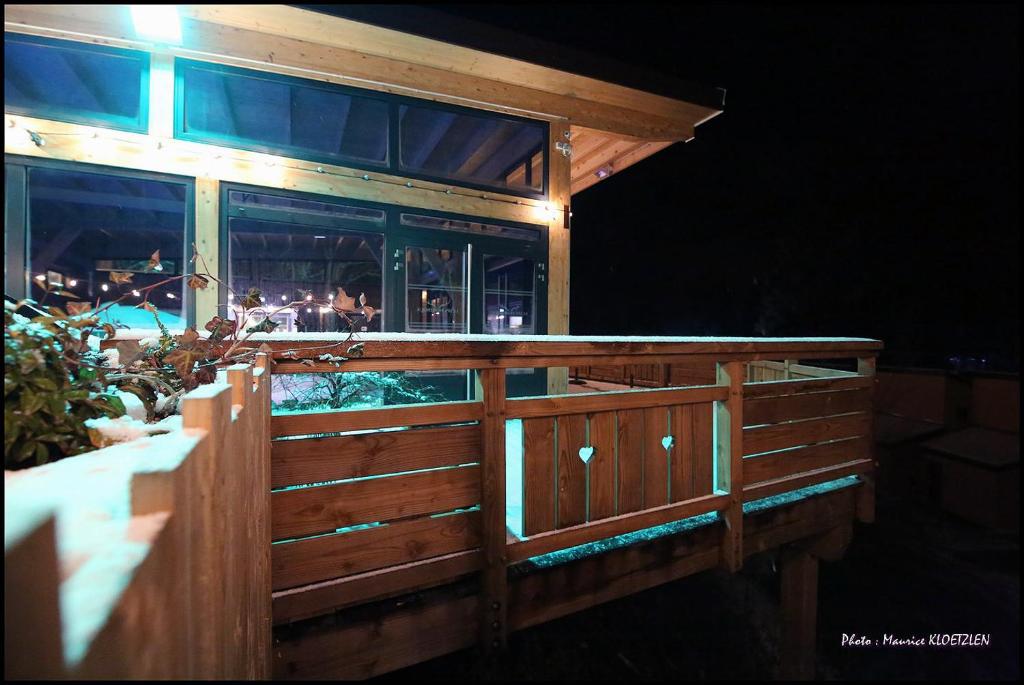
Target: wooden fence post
(729, 461)
(208, 408)
(866, 492)
(33, 646)
(799, 608)
(494, 596)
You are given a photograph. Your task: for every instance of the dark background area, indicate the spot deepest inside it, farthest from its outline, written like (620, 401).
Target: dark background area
(862, 181)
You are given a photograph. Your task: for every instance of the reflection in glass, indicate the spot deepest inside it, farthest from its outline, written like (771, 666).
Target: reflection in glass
(488, 150)
(508, 295)
(71, 81)
(436, 285)
(251, 108)
(85, 225)
(287, 260)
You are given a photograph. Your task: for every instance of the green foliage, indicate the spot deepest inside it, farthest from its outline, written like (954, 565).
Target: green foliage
(54, 380)
(47, 399)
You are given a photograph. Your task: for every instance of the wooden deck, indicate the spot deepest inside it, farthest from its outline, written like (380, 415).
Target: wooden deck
(392, 529)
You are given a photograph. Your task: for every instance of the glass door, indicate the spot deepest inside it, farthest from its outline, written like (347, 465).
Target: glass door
(456, 275)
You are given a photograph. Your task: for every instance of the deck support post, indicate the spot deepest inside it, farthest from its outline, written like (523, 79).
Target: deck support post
(866, 492)
(729, 462)
(494, 581)
(799, 609)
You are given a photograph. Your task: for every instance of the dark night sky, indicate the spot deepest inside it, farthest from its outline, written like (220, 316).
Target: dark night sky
(862, 181)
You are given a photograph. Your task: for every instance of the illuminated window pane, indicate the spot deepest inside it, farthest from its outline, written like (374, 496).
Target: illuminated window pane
(85, 225)
(508, 295)
(436, 288)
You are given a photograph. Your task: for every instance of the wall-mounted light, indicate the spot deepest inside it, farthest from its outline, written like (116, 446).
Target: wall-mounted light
(157, 23)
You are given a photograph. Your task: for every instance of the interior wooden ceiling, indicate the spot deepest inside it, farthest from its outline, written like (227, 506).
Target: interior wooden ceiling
(597, 155)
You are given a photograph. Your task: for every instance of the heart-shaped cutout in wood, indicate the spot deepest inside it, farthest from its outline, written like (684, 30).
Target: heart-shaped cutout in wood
(667, 442)
(586, 453)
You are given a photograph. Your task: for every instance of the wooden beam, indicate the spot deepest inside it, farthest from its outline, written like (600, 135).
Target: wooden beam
(866, 366)
(494, 585)
(557, 272)
(75, 143)
(351, 53)
(799, 608)
(729, 462)
(208, 245)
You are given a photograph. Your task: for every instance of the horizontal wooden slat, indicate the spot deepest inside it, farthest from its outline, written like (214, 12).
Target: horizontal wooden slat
(413, 363)
(608, 401)
(366, 419)
(803, 480)
(306, 601)
(778, 388)
(403, 636)
(314, 460)
(634, 349)
(803, 459)
(309, 511)
(610, 527)
(332, 556)
(805, 406)
(780, 436)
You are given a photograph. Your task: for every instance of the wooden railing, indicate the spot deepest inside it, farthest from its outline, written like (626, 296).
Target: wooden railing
(148, 559)
(373, 503)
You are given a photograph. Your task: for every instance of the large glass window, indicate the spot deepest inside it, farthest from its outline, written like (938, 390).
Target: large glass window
(83, 225)
(308, 119)
(436, 290)
(76, 82)
(288, 247)
(478, 150)
(508, 295)
(265, 112)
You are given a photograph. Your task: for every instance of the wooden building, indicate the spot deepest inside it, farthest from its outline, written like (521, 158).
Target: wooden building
(302, 152)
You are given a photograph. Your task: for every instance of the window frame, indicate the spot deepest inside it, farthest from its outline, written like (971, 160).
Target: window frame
(397, 236)
(392, 164)
(139, 124)
(17, 232)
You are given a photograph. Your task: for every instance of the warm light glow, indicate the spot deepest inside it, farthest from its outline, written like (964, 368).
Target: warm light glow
(41, 277)
(158, 23)
(170, 296)
(309, 298)
(16, 135)
(72, 283)
(136, 293)
(547, 213)
(104, 287)
(308, 310)
(284, 298)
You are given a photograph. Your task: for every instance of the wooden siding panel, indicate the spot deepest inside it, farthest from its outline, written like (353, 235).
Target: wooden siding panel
(332, 556)
(315, 460)
(783, 435)
(655, 458)
(683, 454)
(572, 472)
(323, 509)
(602, 466)
(790, 462)
(538, 475)
(805, 406)
(630, 460)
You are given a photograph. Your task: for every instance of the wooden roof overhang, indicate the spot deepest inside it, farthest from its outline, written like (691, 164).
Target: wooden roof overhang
(612, 126)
